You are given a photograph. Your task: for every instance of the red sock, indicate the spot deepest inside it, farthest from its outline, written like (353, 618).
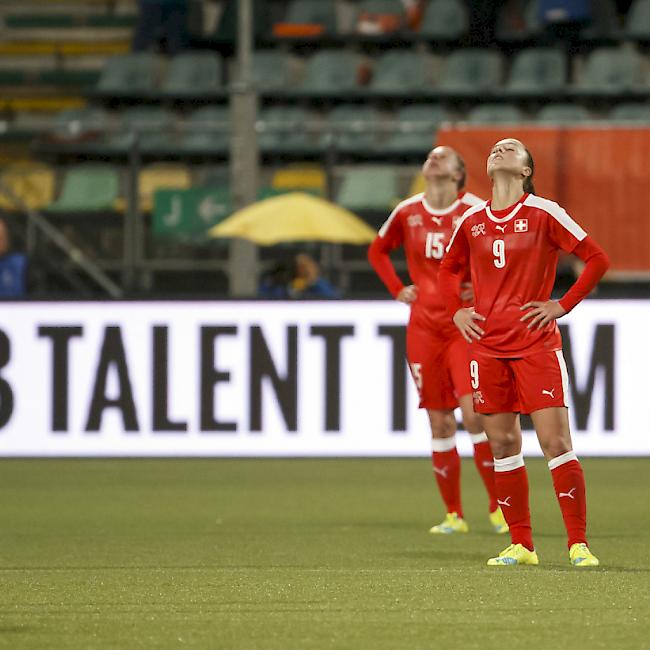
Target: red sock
(511, 482)
(569, 484)
(446, 468)
(485, 466)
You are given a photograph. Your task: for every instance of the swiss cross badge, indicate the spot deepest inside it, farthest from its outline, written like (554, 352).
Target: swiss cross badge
(521, 225)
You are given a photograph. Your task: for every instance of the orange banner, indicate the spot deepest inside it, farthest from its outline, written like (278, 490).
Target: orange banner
(600, 176)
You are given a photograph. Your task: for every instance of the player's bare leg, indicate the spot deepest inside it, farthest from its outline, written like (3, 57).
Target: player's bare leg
(446, 467)
(511, 483)
(552, 427)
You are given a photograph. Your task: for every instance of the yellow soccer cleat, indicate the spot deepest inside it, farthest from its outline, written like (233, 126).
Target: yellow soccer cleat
(580, 555)
(514, 554)
(451, 524)
(498, 522)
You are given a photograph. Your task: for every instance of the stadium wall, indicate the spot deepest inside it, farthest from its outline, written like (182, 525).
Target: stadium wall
(272, 379)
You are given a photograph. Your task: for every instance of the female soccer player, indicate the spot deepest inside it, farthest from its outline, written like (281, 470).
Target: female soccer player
(515, 361)
(436, 353)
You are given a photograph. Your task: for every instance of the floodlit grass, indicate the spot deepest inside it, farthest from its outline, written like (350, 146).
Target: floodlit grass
(285, 554)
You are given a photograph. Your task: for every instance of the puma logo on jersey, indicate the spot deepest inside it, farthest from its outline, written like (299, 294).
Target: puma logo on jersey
(505, 503)
(414, 220)
(437, 221)
(501, 228)
(441, 470)
(478, 229)
(550, 393)
(568, 494)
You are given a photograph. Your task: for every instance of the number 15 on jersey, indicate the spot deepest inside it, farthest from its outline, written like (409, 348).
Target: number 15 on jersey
(434, 247)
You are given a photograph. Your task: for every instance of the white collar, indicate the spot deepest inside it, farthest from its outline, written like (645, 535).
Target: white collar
(439, 213)
(509, 216)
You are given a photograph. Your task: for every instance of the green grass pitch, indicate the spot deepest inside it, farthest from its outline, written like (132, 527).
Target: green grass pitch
(284, 554)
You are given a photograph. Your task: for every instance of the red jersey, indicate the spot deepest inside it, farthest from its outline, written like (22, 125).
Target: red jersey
(424, 232)
(513, 257)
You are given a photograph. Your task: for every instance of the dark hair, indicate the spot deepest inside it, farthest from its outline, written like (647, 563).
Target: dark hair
(528, 181)
(460, 183)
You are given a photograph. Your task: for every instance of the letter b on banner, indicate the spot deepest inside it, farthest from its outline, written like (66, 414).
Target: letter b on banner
(6, 394)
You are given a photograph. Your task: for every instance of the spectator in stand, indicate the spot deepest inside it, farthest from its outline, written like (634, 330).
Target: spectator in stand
(161, 21)
(299, 278)
(13, 267)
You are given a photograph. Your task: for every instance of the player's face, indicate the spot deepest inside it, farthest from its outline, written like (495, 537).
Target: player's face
(442, 162)
(507, 155)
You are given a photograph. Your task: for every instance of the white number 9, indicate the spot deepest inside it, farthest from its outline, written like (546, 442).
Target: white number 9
(499, 250)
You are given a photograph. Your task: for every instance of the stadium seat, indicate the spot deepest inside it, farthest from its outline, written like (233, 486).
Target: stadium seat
(75, 122)
(399, 72)
(193, 74)
(271, 70)
(31, 183)
(207, 131)
(563, 114)
(306, 178)
(330, 72)
(354, 128)
(314, 12)
(281, 130)
(537, 71)
(416, 129)
(637, 25)
(159, 176)
(368, 188)
(444, 20)
(610, 71)
(639, 113)
(153, 124)
(88, 188)
(472, 71)
(129, 74)
(495, 114)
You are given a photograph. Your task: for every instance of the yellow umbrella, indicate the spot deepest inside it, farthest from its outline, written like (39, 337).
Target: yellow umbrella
(295, 216)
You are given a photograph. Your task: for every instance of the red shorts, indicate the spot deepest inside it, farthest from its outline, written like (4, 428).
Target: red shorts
(522, 385)
(439, 367)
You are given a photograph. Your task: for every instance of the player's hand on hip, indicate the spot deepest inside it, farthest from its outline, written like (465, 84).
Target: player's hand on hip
(540, 314)
(466, 320)
(408, 294)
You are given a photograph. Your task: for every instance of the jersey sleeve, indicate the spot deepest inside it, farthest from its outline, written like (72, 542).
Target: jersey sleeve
(453, 265)
(390, 237)
(563, 231)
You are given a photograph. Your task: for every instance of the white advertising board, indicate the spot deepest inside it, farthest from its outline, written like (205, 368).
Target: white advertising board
(272, 379)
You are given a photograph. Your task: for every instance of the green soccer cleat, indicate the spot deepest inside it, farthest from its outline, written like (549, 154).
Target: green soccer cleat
(451, 524)
(514, 554)
(498, 522)
(580, 555)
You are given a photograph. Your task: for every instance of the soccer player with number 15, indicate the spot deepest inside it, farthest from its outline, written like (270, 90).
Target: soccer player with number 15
(515, 353)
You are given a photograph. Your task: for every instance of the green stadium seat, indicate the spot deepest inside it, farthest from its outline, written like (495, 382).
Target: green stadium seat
(639, 113)
(193, 74)
(312, 12)
(611, 71)
(207, 131)
(444, 20)
(129, 74)
(495, 114)
(368, 188)
(153, 124)
(399, 72)
(270, 70)
(281, 130)
(563, 114)
(637, 25)
(416, 129)
(354, 128)
(88, 188)
(472, 71)
(537, 71)
(381, 7)
(330, 72)
(75, 122)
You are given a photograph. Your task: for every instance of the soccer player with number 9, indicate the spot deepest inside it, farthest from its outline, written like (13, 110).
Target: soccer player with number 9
(516, 364)
(436, 353)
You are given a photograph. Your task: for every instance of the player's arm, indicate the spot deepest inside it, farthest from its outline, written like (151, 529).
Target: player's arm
(568, 236)
(389, 238)
(453, 265)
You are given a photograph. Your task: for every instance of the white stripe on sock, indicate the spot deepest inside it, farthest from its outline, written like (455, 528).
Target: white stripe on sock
(478, 438)
(560, 460)
(509, 463)
(443, 444)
